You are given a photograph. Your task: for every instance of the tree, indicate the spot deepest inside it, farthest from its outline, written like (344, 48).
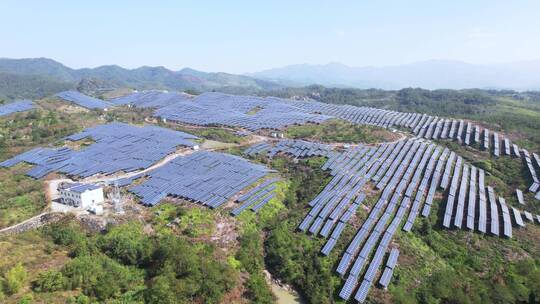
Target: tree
(127, 244)
(160, 292)
(49, 281)
(15, 278)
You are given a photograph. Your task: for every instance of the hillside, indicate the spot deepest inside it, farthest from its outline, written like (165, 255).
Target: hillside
(52, 72)
(20, 86)
(181, 251)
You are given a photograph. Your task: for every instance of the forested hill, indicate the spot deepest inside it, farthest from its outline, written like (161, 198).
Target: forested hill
(20, 86)
(52, 73)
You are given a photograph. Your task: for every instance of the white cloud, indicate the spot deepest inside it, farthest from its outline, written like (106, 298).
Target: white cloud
(340, 33)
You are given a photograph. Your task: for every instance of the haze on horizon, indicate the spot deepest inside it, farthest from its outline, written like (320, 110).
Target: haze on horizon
(243, 36)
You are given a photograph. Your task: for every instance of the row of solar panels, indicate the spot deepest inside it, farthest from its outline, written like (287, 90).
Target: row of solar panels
(15, 107)
(256, 198)
(118, 147)
(439, 128)
(468, 182)
(374, 159)
(150, 99)
(466, 133)
(536, 182)
(294, 148)
(415, 160)
(257, 148)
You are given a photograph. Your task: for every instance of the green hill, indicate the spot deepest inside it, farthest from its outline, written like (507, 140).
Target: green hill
(50, 71)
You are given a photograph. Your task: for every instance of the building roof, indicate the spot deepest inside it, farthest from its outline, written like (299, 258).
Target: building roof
(80, 188)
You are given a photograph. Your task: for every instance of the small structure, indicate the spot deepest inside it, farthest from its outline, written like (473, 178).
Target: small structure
(277, 135)
(85, 196)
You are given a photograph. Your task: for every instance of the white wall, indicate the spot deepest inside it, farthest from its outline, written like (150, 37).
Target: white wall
(89, 198)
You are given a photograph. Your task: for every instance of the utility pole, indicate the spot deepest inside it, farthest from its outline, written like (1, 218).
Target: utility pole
(117, 199)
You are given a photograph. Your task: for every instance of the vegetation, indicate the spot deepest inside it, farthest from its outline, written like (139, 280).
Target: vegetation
(339, 131)
(211, 133)
(20, 196)
(175, 253)
(128, 265)
(17, 86)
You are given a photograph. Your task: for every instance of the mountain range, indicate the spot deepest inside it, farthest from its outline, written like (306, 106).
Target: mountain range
(51, 74)
(38, 77)
(432, 74)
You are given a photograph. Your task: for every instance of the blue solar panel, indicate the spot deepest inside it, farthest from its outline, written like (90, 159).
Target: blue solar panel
(17, 106)
(117, 147)
(150, 99)
(248, 112)
(210, 178)
(84, 100)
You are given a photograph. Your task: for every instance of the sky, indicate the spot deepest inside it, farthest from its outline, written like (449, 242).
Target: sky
(248, 36)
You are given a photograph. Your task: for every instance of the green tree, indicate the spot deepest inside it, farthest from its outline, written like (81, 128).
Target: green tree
(15, 278)
(126, 243)
(48, 281)
(160, 291)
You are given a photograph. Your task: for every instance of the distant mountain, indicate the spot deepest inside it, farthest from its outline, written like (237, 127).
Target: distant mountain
(433, 74)
(140, 78)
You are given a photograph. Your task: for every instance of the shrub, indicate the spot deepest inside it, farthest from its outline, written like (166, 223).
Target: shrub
(15, 278)
(49, 281)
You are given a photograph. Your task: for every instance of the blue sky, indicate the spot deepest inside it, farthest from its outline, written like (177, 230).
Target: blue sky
(248, 36)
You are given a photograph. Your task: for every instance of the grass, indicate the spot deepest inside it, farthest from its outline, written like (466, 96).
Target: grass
(37, 254)
(339, 131)
(21, 197)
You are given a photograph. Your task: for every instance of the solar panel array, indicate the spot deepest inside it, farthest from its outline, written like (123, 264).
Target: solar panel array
(536, 182)
(83, 100)
(256, 198)
(249, 112)
(118, 147)
(408, 173)
(258, 148)
(429, 127)
(150, 99)
(481, 216)
(414, 160)
(16, 106)
(208, 178)
(400, 170)
(255, 113)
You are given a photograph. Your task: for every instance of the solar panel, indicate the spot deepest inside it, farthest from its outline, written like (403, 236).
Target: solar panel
(15, 107)
(117, 147)
(520, 198)
(507, 223)
(249, 112)
(84, 100)
(348, 287)
(362, 292)
(517, 217)
(461, 197)
(386, 277)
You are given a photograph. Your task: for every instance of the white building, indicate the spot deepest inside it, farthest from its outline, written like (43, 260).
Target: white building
(81, 195)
